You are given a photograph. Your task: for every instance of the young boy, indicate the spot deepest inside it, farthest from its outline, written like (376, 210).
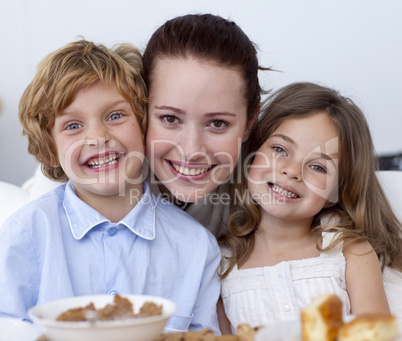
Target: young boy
(103, 232)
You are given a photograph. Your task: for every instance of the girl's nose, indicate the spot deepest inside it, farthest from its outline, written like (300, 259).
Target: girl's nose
(291, 169)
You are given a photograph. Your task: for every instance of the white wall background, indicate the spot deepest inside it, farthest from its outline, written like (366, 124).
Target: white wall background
(352, 45)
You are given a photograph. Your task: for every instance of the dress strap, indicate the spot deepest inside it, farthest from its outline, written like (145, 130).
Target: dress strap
(327, 238)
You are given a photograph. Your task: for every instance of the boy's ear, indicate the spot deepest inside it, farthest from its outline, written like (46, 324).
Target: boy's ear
(250, 123)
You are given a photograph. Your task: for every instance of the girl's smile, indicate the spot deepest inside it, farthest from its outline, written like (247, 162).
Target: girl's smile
(283, 191)
(295, 171)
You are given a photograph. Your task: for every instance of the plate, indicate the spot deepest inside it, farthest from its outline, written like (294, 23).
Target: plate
(17, 330)
(288, 331)
(281, 331)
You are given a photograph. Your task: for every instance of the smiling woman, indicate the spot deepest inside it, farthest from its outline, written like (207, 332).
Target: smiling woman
(201, 73)
(196, 123)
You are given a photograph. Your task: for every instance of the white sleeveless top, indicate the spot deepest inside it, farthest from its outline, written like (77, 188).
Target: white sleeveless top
(260, 296)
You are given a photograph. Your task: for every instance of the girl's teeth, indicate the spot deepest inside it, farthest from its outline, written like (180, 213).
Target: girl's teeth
(284, 192)
(189, 171)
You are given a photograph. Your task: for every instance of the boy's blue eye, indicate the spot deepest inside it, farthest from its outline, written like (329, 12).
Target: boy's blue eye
(73, 126)
(115, 116)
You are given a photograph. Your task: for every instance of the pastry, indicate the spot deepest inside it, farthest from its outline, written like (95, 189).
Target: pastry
(322, 318)
(370, 327)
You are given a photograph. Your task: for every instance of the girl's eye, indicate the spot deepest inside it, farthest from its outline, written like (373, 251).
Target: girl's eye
(280, 150)
(73, 126)
(318, 168)
(169, 119)
(115, 116)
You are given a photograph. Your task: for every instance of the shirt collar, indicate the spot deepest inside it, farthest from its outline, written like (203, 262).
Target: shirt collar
(82, 217)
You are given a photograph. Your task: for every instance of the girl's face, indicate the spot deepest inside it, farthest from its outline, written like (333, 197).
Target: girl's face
(295, 171)
(197, 121)
(99, 143)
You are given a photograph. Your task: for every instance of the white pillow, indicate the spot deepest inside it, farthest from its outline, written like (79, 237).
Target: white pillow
(12, 198)
(39, 184)
(391, 182)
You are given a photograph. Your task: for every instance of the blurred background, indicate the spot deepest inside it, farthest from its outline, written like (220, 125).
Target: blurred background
(354, 46)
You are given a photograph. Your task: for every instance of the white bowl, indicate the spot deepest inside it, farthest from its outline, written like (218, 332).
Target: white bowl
(138, 329)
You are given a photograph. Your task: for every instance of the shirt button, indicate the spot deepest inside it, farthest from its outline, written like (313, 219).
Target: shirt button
(112, 292)
(112, 232)
(279, 274)
(286, 307)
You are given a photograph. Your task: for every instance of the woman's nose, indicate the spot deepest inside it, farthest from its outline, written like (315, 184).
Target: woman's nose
(192, 144)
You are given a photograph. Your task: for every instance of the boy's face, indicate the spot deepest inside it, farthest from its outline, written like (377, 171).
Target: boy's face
(99, 143)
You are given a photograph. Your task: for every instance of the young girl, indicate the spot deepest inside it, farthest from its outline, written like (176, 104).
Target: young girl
(313, 219)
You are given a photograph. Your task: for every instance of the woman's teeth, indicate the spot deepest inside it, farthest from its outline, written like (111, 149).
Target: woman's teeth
(189, 171)
(284, 192)
(97, 163)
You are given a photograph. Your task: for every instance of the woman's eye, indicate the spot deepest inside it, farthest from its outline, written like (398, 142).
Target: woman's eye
(280, 150)
(219, 124)
(73, 126)
(115, 116)
(169, 119)
(318, 168)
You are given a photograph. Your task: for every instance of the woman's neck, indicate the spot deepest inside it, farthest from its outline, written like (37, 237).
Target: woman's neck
(169, 196)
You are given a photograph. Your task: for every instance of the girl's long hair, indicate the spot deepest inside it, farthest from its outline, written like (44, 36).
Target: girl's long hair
(362, 209)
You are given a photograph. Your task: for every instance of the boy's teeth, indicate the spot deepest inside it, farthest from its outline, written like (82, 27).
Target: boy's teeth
(97, 163)
(284, 192)
(189, 171)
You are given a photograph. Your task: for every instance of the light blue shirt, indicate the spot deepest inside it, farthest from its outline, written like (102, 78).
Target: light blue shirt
(57, 246)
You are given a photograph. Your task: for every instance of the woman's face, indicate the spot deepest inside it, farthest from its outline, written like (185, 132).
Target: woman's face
(197, 121)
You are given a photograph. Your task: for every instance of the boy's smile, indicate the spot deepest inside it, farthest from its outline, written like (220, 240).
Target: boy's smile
(99, 143)
(103, 161)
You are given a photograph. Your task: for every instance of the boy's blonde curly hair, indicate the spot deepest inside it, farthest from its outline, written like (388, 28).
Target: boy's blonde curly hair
(58, 78)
